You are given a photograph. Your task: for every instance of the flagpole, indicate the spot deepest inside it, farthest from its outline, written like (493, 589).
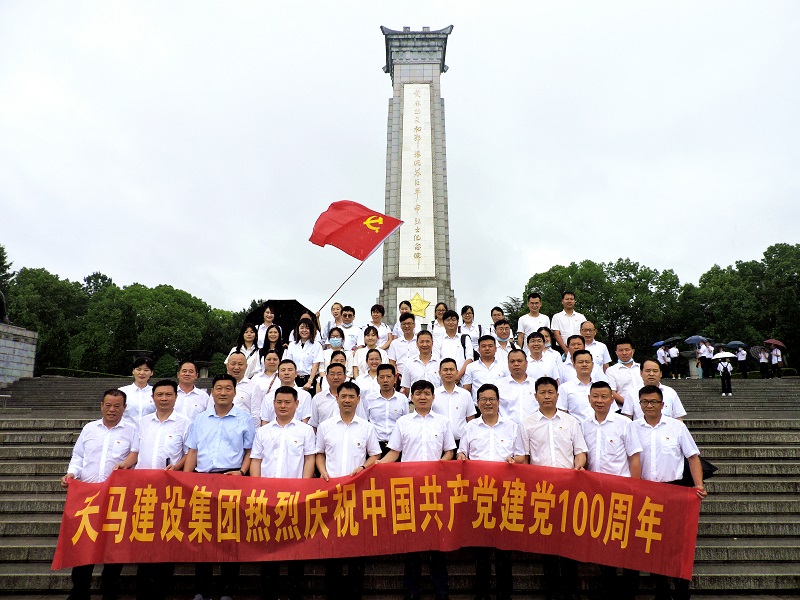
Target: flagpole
(341, 286)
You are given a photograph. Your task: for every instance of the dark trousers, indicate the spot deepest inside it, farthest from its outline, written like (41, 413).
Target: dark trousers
(615, 587)
(743, 368)
(82, 581)
(708, 371)
(204, 579)
(663, 592)
(502, 570)
(154, 580)
(560, 576)
(412, 577)
(776, 370)
(270, 584)
(339, 587)
(726, 383)
(764, 368)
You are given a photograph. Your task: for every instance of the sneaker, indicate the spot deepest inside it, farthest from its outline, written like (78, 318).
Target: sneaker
(730, 394)
(723, 395)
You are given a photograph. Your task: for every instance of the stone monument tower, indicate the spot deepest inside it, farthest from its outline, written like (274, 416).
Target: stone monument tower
(416, 262)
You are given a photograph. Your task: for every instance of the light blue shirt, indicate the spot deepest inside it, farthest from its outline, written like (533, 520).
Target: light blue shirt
(221, 441)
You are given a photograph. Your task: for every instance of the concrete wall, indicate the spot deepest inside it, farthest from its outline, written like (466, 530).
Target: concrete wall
(17, 353)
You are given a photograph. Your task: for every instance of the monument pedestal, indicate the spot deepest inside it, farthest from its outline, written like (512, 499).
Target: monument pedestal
(17, 353)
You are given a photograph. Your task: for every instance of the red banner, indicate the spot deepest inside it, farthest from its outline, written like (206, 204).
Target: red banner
(164, 516)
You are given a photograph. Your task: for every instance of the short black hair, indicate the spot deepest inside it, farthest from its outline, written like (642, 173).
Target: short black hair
(600, 385)
(224, 377)
(533, 295)
(165, 383)
(652, 389)
(379, 308)
(623, 340)
(386, 367)
(115, 393)
(534, 335)
(546, 381)
(337, 365)
(406, 316)
(447, 361)
(349, 385)
(422, 384)
(144, 360)
(567, 293)
(488, 387)
(285, 389)
(486, 338)
(450, 314)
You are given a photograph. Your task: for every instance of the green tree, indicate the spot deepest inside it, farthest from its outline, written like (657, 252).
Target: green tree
(513, 309)
(5, 270)
(166, 366)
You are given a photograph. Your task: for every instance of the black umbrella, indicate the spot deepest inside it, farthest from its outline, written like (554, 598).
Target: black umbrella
(674, 338)
(287, 314)
(736, 344)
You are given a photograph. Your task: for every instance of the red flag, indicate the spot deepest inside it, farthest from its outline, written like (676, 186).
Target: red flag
(353, 228)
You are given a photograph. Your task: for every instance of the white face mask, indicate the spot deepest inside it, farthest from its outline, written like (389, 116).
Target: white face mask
(347, 325)
(335, 342)
(504, 340)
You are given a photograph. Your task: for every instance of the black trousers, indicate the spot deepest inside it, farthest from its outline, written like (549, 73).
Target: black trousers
(412, 577)
(663, 592)
(560, 576)
(764, 368)
(726, 383)
(743, 368)
(502, 570)
(339, 587)
(271, 589)
(154, 580)
(615, 587)
(82, 581)
(204, 580)
(776, 370)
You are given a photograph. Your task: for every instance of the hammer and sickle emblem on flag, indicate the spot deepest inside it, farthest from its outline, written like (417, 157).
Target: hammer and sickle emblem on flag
(372, 223)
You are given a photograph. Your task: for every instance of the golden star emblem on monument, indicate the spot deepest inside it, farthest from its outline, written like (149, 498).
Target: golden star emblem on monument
(419, 305)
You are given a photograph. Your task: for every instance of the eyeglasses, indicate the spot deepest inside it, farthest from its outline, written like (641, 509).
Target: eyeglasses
(488, 400)
(650, 402)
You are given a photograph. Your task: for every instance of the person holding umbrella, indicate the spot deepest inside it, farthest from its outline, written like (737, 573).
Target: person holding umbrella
(725, 369)
(763, 362)
(777, 358)
(741, 358)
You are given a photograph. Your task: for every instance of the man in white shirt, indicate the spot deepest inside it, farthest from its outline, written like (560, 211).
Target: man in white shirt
(665, 443)
(384, 407)
(497, 316)
(325, 405)
(452, 402)
(283, 448)
(625, 374)
(351, 332)
(518, 390)
(487, 369)
(573, 396)
(566, 370)
(598, 349)
(539, 363)
(663, 360)
(287, 374)
(741, 358)
(452, 345)
(491, 438)
(101, 446)
(552, 438)
(160, 444)
(505, 341)
(337, 440)
(651, 375)
(568, 321)
(613, 448)
(247, 394)
(674, 361)
(191, 400)
(423, 366)
(531, 322)
(404, 349)
(422, 436)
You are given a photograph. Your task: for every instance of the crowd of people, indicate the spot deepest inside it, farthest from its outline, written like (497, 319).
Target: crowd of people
(446, 390)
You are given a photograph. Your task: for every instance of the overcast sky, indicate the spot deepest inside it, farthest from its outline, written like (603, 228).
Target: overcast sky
(195, 143)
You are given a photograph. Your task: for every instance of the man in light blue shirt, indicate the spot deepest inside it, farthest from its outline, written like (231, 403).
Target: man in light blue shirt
(219, 442)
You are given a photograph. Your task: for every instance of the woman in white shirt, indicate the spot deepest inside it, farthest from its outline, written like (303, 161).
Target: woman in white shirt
(306, 353)
(336, 313)
(547, 333)
(273, 341)
(269, 318)
(371, 341)
(335, 341)
(437, 325)
(246, 344)
(368, 380)
(384, 331)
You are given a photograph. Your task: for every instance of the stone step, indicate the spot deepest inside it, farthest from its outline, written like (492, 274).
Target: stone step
(756, 468)
(758, 576)
(764, 504)
(32, 485)
(39, 436)
(23, 549)
(753, 485)
(743, 437)
(749, 424)
(748, 526)
(43, 467)
(747, 550)
(30, 524)
(782, 452)
(32, 422)
(25, 503)
(36, 452)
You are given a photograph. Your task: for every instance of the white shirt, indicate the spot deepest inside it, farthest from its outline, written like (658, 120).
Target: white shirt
(474, 331)
(672, 407)
(305, 355)
(573, 397)
(161, 440)
(351, 334)
(566, 324)
(477, 373)
(360, 359)
(384, 412)
(253, 356)
(662, 356)
(416, 370)
(741, 354)
(99, 449)
(193, 403)
(492, 443)
(249, 398)
(610, 443)
(776, 356)
(367, 384)
(302, 413)
(552, 442)
(545, 366)
(673, 353)
(326, 361)
(403, 351)
(282, 449)
(528, 324)
(138, 402)
(455, 406)
(346, 446)
(517, 400)
(397, 331)
(422, 438)
(599, 353)
(451, 347)
(501, 354)
(725, 366)
(622, 378)
(663, 448)
(566, 372)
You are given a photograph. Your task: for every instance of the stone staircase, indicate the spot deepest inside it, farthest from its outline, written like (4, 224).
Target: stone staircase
(748, 542)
